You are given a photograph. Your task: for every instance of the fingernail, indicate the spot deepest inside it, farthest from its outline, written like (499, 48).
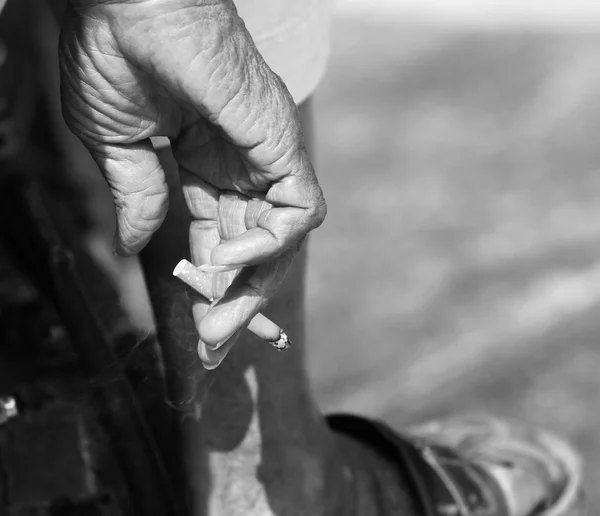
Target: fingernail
(218, 344)
(210, 366)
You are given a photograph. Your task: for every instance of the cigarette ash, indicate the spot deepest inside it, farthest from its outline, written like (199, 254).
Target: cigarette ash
(283, 342)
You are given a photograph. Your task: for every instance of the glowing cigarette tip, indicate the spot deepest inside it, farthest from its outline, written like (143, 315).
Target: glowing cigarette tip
(283, 342)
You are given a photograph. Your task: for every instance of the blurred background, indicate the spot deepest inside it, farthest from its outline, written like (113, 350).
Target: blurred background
(459, 267)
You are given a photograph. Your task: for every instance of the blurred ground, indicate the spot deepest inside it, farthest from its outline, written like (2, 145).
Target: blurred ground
(459, 267)
(554, 14)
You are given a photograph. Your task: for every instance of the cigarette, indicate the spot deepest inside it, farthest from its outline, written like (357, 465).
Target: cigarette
(201, 282)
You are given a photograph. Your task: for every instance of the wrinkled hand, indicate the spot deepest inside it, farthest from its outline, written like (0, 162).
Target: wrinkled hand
(188, 69)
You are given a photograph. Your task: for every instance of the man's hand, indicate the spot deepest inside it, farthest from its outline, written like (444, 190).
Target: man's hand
(188, 69)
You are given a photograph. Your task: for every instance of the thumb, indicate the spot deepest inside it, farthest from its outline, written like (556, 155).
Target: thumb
(137, 182)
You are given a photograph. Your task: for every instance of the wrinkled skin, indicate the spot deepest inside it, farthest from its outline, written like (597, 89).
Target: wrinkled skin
(188, 69)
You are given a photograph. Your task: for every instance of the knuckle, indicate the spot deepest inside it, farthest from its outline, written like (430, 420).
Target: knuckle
(139, 214)
(253, 289)
(318, 214)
